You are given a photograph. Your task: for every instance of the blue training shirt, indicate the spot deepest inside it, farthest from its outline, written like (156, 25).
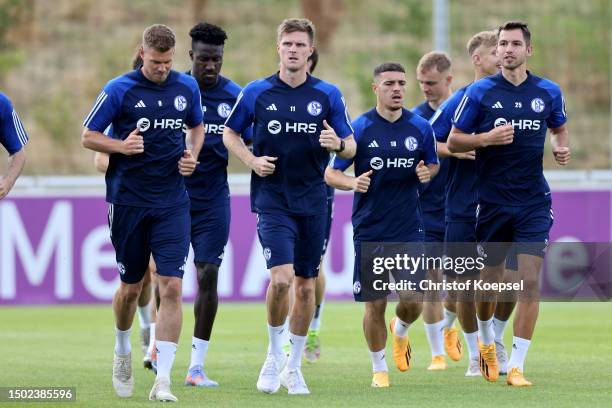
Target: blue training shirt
(207, 186)
(512, 174)
(150, 179)
(461, 188)
(12, 134)
(287, 123)
(432, 194)
(390, 210)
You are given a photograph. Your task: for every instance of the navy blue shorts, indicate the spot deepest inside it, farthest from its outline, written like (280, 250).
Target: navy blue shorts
(209, 233)
(365, 285)
(296, 240)
(460, 242)
(498, 228)
(330, 217)
(434, 241)
(138, 232)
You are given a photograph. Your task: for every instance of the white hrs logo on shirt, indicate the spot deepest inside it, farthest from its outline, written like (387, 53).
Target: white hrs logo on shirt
(275, 127)
(521, 124)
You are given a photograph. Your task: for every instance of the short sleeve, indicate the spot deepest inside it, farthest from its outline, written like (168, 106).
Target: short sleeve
(243, 113)
(442, 122)
(338, 117)
(429, 146)
(195, 115)
(105, 109)
(467, 113)
(12, 134)
(558, 115)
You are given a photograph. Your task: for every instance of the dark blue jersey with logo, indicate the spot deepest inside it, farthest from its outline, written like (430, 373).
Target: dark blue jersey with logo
(461, 189)
(512, 174)
(390, 210)
(12, 134)
(207, 186)
(432, 194)
(287, 123)
(150, 179)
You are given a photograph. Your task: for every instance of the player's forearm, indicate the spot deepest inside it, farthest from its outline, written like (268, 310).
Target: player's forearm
(433, 169)
(560, 137)
(196, 139)
(460, 142)
(443, 150)
(99, 142)
(350, 148)
(337, 179)
(15, 166)
(234, 143)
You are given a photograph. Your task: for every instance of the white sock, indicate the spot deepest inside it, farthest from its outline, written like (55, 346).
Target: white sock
(199, 348)
(166, 351)
(275, 335)
(122, 342)
(485, 331)
(400, 329)
(472, 342)
(286, 333)
(435, 336)
(151, 338)
(499, 326)
(519, 352)
(449, 318)
(315, 323)
(297, 348)
(378, 361)
(144, 316)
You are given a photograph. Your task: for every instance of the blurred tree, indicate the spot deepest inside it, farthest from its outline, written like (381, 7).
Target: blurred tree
(15, 28)
(325, 14)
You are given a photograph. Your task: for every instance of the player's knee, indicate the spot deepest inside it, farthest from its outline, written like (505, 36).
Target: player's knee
(305, 293)
(281, 279)
(130, 292)
(170, 290)
(207, 276)
(376, 308)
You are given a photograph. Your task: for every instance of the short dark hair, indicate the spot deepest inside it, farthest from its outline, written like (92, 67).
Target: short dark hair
(388, 67)
(208, 34)
(159, 37)
(291, 25)
(314, 60)
(516, 25)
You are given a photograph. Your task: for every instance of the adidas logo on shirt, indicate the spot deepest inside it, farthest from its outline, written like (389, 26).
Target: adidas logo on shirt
(373, 144)
(497, 105)
(140, 104)
(271, 107)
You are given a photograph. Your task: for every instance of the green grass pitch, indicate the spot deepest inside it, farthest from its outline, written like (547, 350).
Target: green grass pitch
(569, 361)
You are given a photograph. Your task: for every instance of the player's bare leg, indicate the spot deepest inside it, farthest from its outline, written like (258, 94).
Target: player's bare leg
(153, 306)
(406, 312)
(503, 311)
(433, 317)
(277, 304)
(144, 316)
(312, 351)
(526, 317)
(168, 329)
(301, 315)
(205, 311)
(485, 307)
(124, 307)
(375, 332)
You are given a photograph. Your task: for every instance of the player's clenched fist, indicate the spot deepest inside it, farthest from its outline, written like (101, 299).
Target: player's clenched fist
(187, 164)
(328, 138)
(361, 184)
(501, 135)
(133, 144)
(263, 165)
(422, 172)
(562, 155)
